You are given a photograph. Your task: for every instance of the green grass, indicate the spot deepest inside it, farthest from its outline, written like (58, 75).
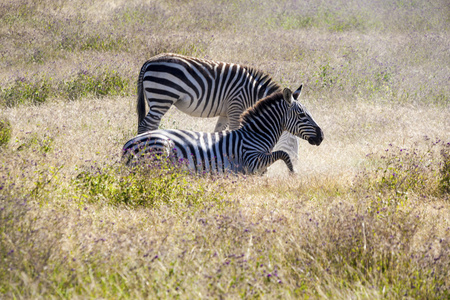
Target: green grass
(86, 84)
(5, 131)
(23, 91)
(39, 88)
(143, 186)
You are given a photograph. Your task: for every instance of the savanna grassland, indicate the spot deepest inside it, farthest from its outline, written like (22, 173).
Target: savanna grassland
(367, 216)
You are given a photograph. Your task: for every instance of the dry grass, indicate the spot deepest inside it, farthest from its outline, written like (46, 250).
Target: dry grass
(366, 217)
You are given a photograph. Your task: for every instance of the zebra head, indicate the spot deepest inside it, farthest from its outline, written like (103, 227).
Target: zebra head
(299, 121)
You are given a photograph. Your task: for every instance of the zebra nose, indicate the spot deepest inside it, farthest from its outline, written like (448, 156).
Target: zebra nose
(318, 138)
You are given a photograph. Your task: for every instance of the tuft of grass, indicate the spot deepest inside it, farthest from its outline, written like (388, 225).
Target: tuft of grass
(23, 91)
(102, 41)
(5, 131)
(85, 83)
(144, 186)
(405, 173)
(43, 144)
(415, 170)
(444, 180)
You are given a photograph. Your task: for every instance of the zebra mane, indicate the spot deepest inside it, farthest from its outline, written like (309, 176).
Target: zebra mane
(258, 75)
(260, 107)
(261, 76)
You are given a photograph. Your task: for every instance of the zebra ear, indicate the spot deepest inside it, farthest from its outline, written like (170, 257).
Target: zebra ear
(287, 95)
(297, 93)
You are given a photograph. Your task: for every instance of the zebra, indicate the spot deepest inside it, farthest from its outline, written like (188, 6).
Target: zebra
(247, 150)
(202, 88)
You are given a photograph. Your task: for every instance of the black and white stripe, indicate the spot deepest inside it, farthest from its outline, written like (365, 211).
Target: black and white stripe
(202, 88)
(246, 150)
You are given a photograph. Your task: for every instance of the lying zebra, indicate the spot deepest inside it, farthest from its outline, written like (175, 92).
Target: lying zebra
(246, 150)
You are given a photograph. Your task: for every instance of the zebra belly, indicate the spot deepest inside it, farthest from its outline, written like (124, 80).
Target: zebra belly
(203, 108)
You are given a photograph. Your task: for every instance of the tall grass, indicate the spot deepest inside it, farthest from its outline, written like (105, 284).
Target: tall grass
(366, 217)
(148, 234)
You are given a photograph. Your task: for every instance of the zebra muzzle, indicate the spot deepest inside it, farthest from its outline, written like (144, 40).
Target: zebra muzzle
(318, 138)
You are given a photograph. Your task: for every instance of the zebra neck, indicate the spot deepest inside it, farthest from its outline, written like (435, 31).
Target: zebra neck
(270, 132)
(265, 120)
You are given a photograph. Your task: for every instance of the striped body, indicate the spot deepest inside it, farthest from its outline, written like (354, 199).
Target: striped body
(246, 150)
(200, 88)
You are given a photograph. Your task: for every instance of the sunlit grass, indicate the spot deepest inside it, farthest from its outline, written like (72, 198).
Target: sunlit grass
(365, 217)
(76, 221)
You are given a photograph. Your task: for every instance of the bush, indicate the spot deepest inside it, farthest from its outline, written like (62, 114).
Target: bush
(25, 91)
(444, 182)
(98, 85)
(143, 186)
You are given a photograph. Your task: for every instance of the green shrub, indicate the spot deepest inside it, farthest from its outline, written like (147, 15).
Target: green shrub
(25, 91)
(143, 186)
(98, 85)
(5, 131)
(444, 182)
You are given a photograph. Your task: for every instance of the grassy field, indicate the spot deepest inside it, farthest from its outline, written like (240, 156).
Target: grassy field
(367, 216)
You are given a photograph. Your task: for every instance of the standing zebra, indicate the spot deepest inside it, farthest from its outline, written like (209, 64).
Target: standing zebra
(246, 150)
(202, 88)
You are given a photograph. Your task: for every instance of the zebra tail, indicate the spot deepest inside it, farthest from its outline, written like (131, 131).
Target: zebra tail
(140, 106)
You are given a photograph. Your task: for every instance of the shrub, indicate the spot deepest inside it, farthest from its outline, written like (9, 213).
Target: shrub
(99, 85)
(148, 186)
(444, 182)
(25, 91)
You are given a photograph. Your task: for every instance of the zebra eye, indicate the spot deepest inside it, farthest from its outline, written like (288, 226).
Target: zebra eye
(300, 113)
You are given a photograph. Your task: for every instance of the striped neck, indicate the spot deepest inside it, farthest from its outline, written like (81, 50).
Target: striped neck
(266, 116)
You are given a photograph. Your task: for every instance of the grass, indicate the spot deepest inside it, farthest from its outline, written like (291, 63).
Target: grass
(364, 218)
(5, 131)
(83, 84)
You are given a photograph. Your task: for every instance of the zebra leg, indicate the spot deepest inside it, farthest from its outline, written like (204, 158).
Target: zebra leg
(153, 118)
(262, 161)
(222, 124)
(234, 114)
(288, 143)
(285, 157)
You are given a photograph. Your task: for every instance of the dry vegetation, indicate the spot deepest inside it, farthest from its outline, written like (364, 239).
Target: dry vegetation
(366, 217)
